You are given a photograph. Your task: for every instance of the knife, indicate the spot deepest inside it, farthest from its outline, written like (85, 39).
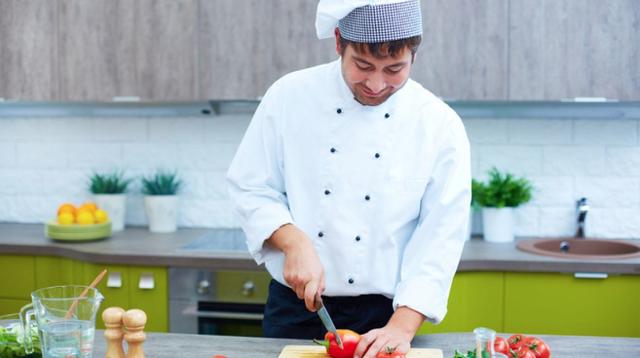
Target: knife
(326, 320)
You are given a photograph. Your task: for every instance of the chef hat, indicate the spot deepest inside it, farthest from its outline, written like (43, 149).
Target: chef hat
(369, 21)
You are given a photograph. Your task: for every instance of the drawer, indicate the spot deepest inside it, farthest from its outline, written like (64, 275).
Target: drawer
(18, 278)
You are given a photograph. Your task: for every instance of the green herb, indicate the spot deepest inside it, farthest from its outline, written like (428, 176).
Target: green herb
(113, 183)
(470, 354)
(502, 190)
(11, 342)
(162, 183)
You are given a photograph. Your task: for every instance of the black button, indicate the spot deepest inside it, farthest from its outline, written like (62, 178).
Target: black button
(350, 281)
(320, 234)
(377, 155)
(339, 110)
(333, 150)
(357, 238)
(327, 192)
(387, 115)
(367, 197)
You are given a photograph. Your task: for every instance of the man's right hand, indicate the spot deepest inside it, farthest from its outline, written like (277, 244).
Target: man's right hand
(302, 267)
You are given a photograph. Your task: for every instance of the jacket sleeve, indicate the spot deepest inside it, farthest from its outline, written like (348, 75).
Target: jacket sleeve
(431, 256)
(255, 178)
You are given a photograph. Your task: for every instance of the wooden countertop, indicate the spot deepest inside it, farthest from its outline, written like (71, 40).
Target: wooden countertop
(160, 345)
(225, 249)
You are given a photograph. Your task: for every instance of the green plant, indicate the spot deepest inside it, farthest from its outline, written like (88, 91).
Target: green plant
(161, 183)
(113, 183)
(502, 190)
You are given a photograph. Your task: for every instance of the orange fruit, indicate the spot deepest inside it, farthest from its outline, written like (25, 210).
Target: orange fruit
(85, 217)
(67, 208)
(101, 216)
(90, 206)
(66, 218)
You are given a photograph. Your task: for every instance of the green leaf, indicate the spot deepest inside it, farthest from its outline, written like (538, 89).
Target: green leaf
(502, 190)
(161, 183)
(113, 183)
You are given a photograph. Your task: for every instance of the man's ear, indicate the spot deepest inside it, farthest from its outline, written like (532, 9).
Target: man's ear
(413, 57)
(338, 47)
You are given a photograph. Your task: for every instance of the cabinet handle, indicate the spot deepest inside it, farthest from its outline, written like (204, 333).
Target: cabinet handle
(146, 281)
(204, 287)
(248, 287)
(114, 280)
(596, 275)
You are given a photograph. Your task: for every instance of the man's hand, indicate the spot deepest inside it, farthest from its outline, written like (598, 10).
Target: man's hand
(302, 267)
(397, 334)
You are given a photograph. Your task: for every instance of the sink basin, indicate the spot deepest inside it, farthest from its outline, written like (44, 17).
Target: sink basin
(580, 248)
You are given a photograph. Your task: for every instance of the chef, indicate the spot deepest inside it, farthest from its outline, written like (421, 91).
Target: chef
(353, 182)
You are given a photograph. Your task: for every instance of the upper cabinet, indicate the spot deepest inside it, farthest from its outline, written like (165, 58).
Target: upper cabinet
(28, 53)
(182, 50)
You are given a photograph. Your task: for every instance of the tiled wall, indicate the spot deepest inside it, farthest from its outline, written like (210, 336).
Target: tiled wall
(44, 162)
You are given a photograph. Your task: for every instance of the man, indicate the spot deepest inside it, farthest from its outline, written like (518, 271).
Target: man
(353, 182)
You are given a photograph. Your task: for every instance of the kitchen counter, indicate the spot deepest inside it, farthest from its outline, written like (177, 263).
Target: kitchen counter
(226, 249)
(194, 346)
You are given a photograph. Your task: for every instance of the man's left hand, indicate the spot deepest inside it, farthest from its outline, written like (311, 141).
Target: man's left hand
(396, 335)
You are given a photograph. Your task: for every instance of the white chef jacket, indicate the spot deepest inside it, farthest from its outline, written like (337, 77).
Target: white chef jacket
(383, 192)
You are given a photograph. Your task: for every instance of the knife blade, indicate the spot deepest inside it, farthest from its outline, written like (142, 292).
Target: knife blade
(327, 321)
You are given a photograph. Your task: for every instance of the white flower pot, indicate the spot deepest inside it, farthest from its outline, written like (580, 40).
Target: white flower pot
(498, 224)
(115, 205)
(162, 212)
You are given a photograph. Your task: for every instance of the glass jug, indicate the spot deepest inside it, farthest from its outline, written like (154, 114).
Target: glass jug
(65, 321)
(485, 338)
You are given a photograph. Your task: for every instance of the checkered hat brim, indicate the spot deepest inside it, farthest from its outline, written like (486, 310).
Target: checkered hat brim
(382, 23)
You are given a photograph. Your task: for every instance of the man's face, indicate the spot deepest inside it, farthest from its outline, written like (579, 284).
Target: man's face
(372, 80)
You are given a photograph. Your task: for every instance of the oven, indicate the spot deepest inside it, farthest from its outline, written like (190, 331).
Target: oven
(217, 301)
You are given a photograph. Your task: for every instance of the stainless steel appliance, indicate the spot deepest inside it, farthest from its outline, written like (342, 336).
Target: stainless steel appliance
(217, 302)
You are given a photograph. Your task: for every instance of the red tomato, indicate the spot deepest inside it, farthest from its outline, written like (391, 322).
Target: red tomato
(524, 352)
(537, 346)
(390, 353)
(515, 341)
(500, 345)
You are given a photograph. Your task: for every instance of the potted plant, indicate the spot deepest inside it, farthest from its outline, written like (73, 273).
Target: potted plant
(161, 200)
(498, 197)
(109, 193)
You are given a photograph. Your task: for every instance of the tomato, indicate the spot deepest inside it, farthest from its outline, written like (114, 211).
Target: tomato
(537, 346)
(524, 352)
(515, 341)
(390, 352)
(500, 345)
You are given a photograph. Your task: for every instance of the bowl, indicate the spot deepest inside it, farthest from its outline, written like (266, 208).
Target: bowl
(77, 232)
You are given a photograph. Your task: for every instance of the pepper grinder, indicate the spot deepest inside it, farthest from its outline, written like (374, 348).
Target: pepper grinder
(134, 321)
(112, 318)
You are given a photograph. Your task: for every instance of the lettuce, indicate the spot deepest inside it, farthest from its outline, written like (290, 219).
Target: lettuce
(11, 342)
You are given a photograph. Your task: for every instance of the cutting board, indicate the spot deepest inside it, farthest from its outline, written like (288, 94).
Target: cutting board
(290, 351)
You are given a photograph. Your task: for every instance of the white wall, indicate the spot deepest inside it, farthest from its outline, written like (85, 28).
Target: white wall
(44, 162)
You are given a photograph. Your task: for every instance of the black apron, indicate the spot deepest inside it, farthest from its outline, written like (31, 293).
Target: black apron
(286, 316)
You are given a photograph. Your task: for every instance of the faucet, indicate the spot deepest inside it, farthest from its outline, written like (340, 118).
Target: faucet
(582, 208)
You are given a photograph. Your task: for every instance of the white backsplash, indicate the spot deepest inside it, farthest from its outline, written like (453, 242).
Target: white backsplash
(44, 162)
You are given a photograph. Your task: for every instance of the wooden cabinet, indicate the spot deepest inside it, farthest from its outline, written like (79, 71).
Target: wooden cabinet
(476, 300)
(28, 53)
(554, 303)
(17, 281)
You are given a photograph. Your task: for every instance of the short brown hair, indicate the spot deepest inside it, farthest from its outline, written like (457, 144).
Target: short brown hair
(383, 49)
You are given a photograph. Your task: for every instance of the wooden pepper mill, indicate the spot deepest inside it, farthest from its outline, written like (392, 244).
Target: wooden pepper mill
(134, 321)
(112, 318)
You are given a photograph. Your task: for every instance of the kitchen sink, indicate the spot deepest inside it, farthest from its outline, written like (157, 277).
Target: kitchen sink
(588, 248)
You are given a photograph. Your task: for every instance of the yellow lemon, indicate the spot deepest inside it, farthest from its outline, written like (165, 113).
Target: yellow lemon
(90, 206)
(65, 218)
(67, 208)
(85, 217)
(101, 216)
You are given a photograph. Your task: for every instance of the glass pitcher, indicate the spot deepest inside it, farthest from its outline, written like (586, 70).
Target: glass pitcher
(485, 338)
(66, 322)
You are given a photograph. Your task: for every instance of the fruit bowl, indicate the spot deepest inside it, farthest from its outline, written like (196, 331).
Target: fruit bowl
(77, 232)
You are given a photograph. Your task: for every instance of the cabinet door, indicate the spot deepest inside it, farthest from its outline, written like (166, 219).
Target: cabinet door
(97, 49)
(148, 292)
(553, 303)
(114, 286)
(476, 300)
(56, 271)
(242, 286)
(27, 50)
(18, 276)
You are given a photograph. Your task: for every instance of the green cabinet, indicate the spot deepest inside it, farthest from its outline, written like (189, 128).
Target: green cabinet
(476, 299)
(142, 287)
(554, 303)
(17, 281)
(57, 271)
